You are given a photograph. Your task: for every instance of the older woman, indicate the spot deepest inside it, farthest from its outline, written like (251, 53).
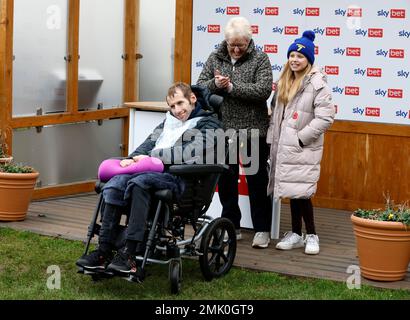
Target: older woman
(243, 75)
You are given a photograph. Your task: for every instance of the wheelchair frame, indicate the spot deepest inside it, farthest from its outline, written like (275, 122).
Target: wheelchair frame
(214, 240)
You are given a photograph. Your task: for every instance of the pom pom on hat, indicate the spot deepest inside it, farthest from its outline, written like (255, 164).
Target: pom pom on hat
(309, 34)
(305, 46)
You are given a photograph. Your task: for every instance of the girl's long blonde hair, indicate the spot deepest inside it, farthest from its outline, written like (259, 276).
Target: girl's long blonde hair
(288, 85)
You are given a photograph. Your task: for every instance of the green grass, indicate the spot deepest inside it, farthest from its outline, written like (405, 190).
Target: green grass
(25, 257)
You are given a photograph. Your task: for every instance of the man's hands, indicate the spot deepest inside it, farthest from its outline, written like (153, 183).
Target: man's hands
(126, 162)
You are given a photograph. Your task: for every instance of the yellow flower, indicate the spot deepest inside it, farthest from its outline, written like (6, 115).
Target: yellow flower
(391, 216)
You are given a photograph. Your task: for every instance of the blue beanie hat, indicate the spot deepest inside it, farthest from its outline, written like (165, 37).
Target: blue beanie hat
(305, 46)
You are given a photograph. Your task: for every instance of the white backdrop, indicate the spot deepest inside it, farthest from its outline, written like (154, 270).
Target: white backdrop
(364, 48)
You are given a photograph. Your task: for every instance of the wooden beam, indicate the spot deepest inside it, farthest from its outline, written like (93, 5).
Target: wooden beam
(61, 118)
(131, 50)
(125, 136)
(72, 56)
(63, 190)
(396, 130)
(6, 70)
(183, 41)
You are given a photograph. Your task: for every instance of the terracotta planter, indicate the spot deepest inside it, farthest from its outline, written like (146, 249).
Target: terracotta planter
(16, 190)
(383, 248)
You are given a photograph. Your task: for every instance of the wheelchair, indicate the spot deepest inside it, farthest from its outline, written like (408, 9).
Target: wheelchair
(166, 242)
(213, 240)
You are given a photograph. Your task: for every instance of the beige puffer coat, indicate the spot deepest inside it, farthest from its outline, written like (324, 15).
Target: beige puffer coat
(295, 170)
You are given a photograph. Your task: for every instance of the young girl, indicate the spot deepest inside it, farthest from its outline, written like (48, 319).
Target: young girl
(302, 111)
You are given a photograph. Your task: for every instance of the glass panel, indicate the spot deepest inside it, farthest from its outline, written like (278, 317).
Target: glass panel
(39, 70)
(68, 153)
(157, 37)
(101, 47)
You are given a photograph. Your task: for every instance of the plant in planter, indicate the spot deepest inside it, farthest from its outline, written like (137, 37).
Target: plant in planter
(16, 188)
(383, 241)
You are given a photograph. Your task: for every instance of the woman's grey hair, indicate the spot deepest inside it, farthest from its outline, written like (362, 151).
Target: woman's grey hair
(238, 27)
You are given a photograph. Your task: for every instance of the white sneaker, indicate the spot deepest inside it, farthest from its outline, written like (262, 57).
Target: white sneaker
(261, 240)
(237, 233)
(312, 244)
(290, 241)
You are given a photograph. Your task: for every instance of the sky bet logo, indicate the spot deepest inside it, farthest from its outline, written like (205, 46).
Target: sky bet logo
(391, 93)
(403, 74)
(211, 28)
(349, 51)
(255, 29)
(288, 30)
(333, 31)
(277, 67)
(368, 111)
(309, 12)
(332, 70)
(393, 13)
(404, 33)
(370, 72)
(270, 48)
(350, 12)
(393, 53)
(230, 11)
(371, 32)
(348, 91)
(199, 64)
(269, 11)
(403, 114)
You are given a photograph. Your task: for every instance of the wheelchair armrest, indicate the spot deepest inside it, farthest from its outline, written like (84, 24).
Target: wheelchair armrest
(197, 168)
(98, 186)
(165, 195)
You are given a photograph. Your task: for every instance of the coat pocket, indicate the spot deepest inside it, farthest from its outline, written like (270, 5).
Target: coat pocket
(291, 139)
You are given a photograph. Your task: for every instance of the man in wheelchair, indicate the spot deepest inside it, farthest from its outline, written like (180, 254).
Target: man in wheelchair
(190, 115)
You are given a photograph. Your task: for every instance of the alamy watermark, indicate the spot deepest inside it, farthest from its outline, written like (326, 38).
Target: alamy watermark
(54, 281)
(354, 281)
(212, 147)
(354, 17)
(54, 18)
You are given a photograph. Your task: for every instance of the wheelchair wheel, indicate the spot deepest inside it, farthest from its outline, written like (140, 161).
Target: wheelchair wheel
(175, 274)
(218, 248)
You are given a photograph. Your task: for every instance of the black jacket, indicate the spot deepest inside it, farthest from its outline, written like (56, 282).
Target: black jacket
(182, 149)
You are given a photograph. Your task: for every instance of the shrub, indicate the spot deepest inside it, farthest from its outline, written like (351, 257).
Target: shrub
(15, 168)
(391, 212)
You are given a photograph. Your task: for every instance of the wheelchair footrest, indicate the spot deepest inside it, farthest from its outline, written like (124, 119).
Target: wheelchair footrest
(137, 277)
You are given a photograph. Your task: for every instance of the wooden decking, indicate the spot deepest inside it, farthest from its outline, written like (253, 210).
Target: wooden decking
(69, 218)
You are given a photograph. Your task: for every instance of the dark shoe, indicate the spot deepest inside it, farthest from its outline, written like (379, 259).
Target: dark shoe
(95, 261)
(123, 263)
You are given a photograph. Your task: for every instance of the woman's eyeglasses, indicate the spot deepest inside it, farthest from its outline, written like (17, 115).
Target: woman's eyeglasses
(239, 46)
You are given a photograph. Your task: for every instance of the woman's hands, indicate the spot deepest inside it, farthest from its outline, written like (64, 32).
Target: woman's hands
(222, 82)
(128, 162)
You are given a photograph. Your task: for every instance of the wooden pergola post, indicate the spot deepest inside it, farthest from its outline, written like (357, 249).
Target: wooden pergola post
(183, 41)
(6, 69)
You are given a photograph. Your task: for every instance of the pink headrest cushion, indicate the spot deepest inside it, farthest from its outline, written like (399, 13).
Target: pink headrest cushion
(111, 167)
